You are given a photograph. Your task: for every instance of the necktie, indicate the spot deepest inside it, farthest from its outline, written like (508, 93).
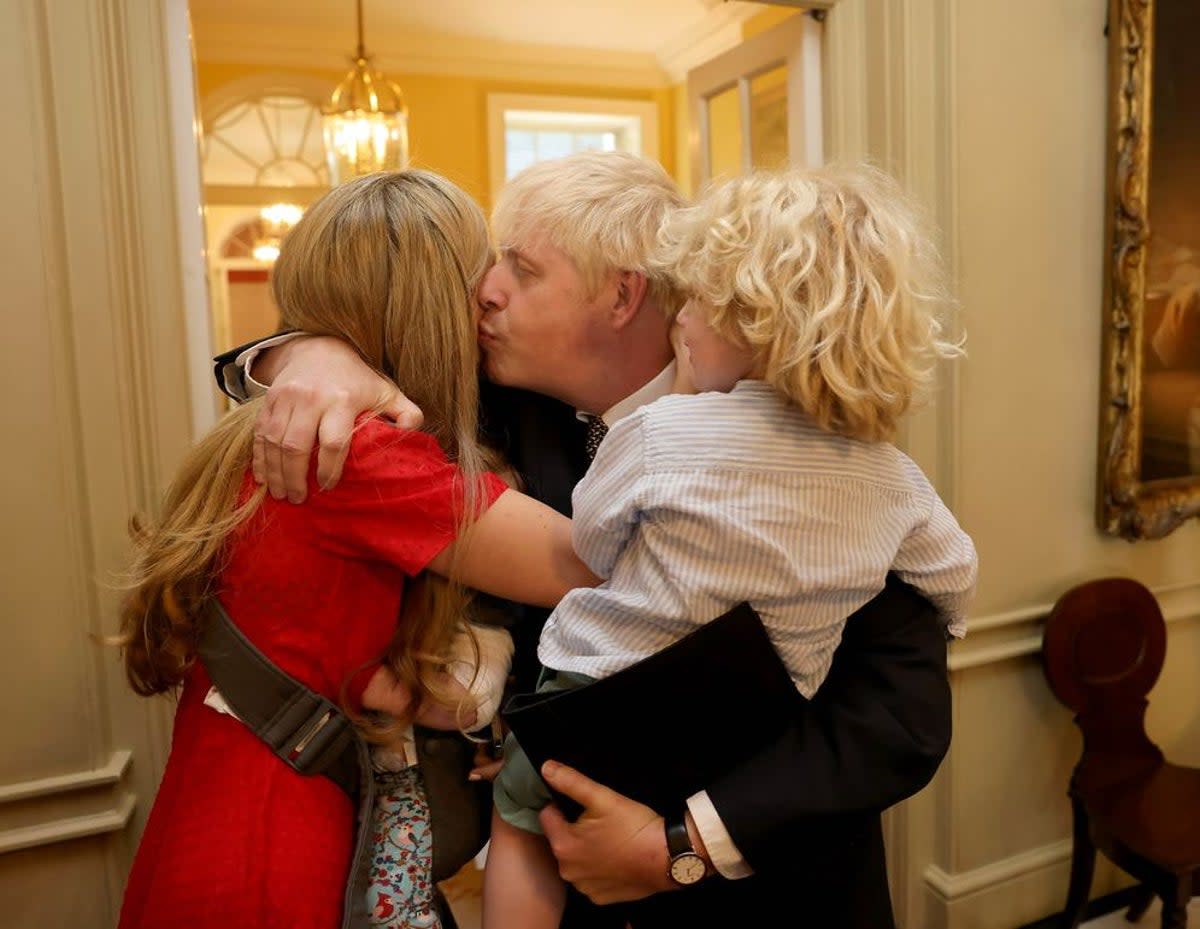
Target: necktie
(596, 430)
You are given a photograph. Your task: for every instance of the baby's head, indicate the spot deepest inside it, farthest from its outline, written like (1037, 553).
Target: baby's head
(828, 283)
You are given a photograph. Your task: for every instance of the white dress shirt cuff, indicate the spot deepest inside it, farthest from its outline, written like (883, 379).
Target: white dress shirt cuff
(239, 380)
(725, 856)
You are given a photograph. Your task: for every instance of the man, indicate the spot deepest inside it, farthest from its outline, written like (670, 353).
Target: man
(571, 312)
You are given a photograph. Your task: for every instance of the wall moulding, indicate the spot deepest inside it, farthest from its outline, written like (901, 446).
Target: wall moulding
(45, 810)
(107, 774)
(1014, 633)
(952, 886)
(1013, 891)
(67, 828)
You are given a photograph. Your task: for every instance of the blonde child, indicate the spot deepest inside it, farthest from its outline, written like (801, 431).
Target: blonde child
(812, 326)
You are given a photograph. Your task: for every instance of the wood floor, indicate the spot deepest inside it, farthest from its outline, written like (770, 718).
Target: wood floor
(1150, 921)
(464, 890)
(464, 894)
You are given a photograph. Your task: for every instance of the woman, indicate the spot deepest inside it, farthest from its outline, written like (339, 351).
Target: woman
(389, 263)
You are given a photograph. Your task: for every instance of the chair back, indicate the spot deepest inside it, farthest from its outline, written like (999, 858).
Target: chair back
(1102, 652)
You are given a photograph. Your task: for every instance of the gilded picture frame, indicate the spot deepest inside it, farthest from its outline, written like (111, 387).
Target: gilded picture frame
(1149, 461)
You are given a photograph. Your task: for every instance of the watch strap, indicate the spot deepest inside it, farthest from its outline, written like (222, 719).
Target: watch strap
(678, 840)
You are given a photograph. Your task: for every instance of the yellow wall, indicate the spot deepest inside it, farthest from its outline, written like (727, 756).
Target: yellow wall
(448, 114)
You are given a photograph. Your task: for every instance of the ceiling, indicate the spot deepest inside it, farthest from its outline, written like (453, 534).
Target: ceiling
(645, 26)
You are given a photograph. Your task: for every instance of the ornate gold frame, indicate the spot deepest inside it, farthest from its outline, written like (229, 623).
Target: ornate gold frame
(1127, 506)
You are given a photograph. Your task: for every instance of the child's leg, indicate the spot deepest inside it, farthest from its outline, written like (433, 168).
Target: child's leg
(521, 886)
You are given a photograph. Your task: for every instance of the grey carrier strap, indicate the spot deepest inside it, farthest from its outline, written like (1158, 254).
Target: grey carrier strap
(305, 730)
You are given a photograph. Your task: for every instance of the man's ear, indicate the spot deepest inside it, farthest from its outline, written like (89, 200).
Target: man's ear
(630, 296)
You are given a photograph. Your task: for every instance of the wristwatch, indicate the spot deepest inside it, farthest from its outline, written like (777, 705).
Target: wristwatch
(686, 867)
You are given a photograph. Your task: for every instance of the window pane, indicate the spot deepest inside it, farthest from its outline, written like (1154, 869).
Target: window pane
(589, 142)
(533, 135)
(769, 119)
(224, 165)
(519, 151)
(725, 133)
(553, 145)
(271, 141)
(288, 172)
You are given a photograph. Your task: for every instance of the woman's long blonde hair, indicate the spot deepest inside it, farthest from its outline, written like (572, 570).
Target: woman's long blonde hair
(388, 263)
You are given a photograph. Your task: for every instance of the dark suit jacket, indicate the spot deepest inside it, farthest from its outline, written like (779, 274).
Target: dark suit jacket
(806, 812)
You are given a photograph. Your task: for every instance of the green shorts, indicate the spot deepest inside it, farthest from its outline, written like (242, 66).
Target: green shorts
(519, 792)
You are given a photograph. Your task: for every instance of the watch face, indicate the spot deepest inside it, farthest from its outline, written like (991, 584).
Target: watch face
(687, 868)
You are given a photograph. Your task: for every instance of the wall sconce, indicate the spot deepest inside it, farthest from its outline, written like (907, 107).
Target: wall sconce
(274, 221)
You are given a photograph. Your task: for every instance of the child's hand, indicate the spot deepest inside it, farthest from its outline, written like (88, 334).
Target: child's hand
(684, 382)
(386, 694)
(486, 768)
(461, 714)
(489, 756)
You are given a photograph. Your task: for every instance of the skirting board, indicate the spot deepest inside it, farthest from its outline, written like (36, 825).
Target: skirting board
(1013, 892)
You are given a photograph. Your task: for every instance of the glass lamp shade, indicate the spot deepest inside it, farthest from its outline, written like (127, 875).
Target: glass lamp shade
(366, 125)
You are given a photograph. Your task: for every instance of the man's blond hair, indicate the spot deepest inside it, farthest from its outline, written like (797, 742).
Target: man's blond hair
(831, 278)
(602, 209)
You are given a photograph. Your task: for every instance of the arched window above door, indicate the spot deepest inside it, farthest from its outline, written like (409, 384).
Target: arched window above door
(270, 141)
(262, 133)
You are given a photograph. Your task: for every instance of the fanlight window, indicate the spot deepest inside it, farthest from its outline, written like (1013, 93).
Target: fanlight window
(271, 141)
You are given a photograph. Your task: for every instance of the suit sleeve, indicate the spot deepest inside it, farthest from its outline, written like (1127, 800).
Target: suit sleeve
(873, 735)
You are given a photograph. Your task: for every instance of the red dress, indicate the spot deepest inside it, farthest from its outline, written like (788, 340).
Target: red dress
(236, 839)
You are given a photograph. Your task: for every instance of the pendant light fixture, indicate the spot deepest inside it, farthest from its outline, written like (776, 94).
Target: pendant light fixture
(365, 121)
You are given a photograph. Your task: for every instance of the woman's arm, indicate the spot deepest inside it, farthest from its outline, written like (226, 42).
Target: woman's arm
(518, 549)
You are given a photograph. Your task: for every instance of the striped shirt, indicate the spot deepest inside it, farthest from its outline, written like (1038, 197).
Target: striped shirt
(697, 503)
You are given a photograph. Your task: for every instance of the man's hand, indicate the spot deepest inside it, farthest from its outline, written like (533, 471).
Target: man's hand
(616, 851)
(319, 385)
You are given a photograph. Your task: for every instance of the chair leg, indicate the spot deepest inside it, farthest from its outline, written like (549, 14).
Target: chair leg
(1174, 914)
(1083, 864)
(1142, 898)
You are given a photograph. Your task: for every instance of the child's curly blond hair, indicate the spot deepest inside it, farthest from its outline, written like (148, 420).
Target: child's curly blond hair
(830, 277)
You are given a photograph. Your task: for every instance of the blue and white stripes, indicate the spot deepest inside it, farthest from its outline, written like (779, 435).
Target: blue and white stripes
(696, 503)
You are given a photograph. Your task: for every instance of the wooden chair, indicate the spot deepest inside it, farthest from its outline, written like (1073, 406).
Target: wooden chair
(1103, 650)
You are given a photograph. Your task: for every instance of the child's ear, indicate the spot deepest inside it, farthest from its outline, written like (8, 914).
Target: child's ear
(630, 295)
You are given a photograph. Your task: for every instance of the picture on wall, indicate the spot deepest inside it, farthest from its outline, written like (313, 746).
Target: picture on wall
(1150, 406)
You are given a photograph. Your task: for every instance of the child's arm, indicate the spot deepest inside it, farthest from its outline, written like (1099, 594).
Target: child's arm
(607, 503)
(939, 560)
